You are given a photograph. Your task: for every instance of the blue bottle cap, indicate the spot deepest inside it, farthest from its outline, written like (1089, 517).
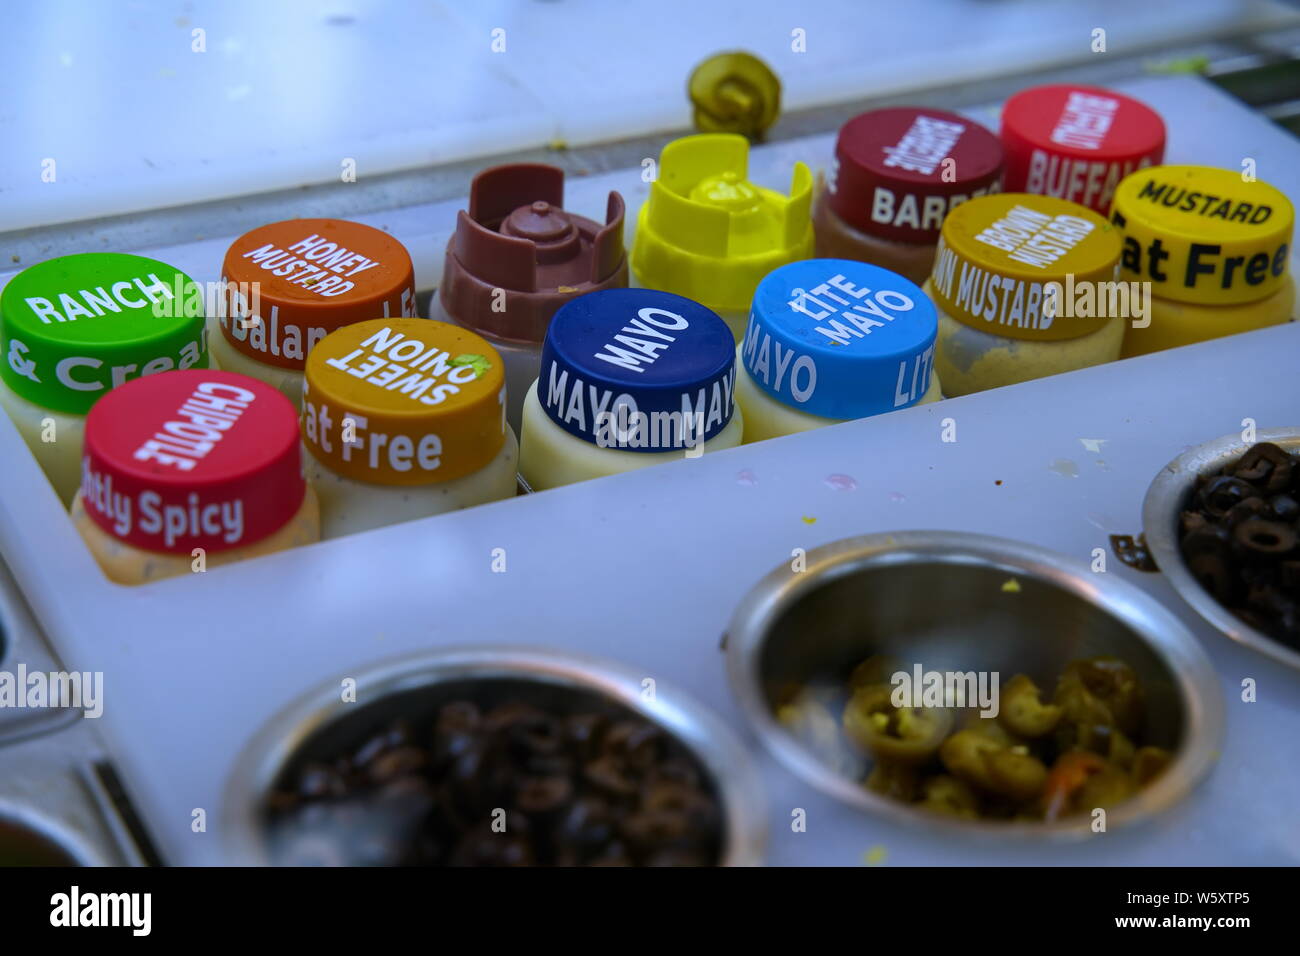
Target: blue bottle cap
(638, 370)
(840, 339)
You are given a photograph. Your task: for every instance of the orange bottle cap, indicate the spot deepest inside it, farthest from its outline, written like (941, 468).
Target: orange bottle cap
(404, 402)
(312, 276)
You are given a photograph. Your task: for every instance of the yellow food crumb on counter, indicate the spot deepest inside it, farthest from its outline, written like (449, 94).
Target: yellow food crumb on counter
(808, 520)
(1011, 586)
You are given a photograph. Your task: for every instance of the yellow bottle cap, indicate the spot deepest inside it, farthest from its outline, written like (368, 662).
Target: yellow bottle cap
(404, 402)
(734, 93)
(1025, 266)
(1203, 235)
(709, 234)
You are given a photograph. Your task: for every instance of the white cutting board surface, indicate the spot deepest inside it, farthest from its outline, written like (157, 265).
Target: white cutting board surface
(646, 568)
(285, 92)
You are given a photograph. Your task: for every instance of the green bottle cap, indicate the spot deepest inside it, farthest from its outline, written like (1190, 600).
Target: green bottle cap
(75, 327)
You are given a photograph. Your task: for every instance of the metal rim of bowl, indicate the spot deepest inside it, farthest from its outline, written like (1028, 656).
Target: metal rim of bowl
(50, 832)
(1193, 676)
(1165, 500)
(704, 735)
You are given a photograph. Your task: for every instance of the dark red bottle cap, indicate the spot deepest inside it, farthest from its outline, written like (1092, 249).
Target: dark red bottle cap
(518, 239)
(1077, 142)
(898, 171)
(192, 459)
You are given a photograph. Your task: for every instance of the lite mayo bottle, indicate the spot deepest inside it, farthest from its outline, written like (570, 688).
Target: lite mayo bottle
(831, 340)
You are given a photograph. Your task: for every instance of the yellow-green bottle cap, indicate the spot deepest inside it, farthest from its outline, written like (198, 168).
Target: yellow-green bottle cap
(709, 234)
(75, 327)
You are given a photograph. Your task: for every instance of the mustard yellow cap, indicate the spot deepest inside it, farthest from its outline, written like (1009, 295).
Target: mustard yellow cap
(1008, 264)
(404, 402)
(709, 234)
(1202, 235)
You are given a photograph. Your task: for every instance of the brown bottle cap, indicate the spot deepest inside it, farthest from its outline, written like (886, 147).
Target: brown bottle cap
(517, 256)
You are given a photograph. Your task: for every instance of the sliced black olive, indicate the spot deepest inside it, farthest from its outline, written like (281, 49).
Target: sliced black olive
(1208, 539)
(543, 795)
(1213, 573)
(1222, 492)
(396, 763)
(1259, 461)
(1250, 508)
(1284, 507)
(1259, 536)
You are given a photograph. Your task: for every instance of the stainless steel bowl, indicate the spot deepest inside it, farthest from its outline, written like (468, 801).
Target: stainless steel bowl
(28, 838)
(1167, 497)
(937, 598)
(320, 717)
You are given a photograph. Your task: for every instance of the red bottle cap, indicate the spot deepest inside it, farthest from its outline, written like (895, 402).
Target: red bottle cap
(1077, 142)
(192, 459)
(517, 256)
(898, 171)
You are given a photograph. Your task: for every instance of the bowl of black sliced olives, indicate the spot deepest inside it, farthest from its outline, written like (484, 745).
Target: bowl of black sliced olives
(495, 757)
(1222, 521)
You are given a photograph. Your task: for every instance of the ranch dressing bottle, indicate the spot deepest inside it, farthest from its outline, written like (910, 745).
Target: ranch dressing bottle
(831, 340)
(630, 378)
(188, 470)
(289, 284)
(402, 419)
(76, 327)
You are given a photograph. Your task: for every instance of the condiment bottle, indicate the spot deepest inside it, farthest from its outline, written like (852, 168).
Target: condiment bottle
(831, 340)
(404, 418)
(708, 234)
(1213, 246)
(291, 283)
(516, 257)
(1077, 142)
(188, 470)
(75, 327)
(630, 378)
(1022, 284)
(896, 173)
